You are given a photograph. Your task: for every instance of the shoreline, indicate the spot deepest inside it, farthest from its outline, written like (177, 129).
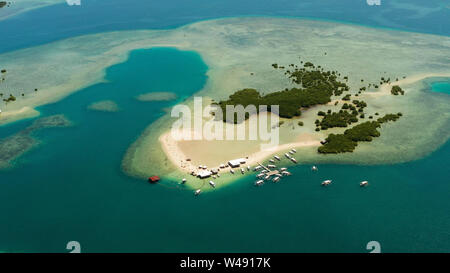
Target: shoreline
(178, 158)
(385, 88)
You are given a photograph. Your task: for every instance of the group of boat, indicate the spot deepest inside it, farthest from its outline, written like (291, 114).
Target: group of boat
(269, 172)
(361, 184)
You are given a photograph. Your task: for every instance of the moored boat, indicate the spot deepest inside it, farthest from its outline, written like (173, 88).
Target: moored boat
(326, 182)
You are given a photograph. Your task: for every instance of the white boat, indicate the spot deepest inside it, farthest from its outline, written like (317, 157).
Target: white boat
(272, 161)
(242, 170)
(267, 177)
(248, 168)
(222, 166)
(283, 169)
(294, 150)
(218, 175)
(271, 166)
(287, 156)
(291, 152)
(364, 183)
(286, 173)
(264, 171)
(276, 179)
(260, 175)
(212, 184)
(279, 175)
(326, 182)
(314, 168)
(257, 168)
(277, 158)
(197, 192)
(232, 171)
(259, 183)
(293, 160)
(183, 181)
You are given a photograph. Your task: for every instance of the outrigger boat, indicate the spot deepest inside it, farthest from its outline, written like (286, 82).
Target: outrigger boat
(364, 184)
(326, 182)
(259, 183)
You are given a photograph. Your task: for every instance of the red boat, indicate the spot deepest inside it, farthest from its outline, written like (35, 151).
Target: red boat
(153, 179)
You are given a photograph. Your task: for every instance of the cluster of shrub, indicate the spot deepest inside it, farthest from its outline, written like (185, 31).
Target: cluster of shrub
(316, 86)
(347, 142)
(396, 90)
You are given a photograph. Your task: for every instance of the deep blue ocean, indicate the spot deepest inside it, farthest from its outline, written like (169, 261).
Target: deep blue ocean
(71, 187)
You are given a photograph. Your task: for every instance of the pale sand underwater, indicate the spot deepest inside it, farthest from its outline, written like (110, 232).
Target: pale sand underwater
(239, 53)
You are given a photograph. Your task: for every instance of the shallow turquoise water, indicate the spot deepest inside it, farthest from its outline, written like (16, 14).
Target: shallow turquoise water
(71, 187)
(441, 87)
(62, 21)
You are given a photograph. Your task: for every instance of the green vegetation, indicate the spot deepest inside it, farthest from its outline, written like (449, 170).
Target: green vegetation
(11, 98)
(396, 90)
(337, 144)
(339, 119)
(347, 142)
(2, 4)
(300, 123)
(346, 97)
(315, 87)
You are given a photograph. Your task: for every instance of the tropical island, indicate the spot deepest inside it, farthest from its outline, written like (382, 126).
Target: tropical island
(238, 55)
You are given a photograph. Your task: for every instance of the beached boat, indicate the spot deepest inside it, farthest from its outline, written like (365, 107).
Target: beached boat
(293, 160)
(272, 161)
(277, 158)
(364, 184)
(326, 182)
(232, 171)
(257, 168)
(287, 156)
(271, 166)
(294, 150)
(212, 184)
(153, 179)
(242, 170)
(183, 181)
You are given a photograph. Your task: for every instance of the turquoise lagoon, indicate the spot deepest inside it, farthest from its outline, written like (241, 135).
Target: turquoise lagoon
(71, 187)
